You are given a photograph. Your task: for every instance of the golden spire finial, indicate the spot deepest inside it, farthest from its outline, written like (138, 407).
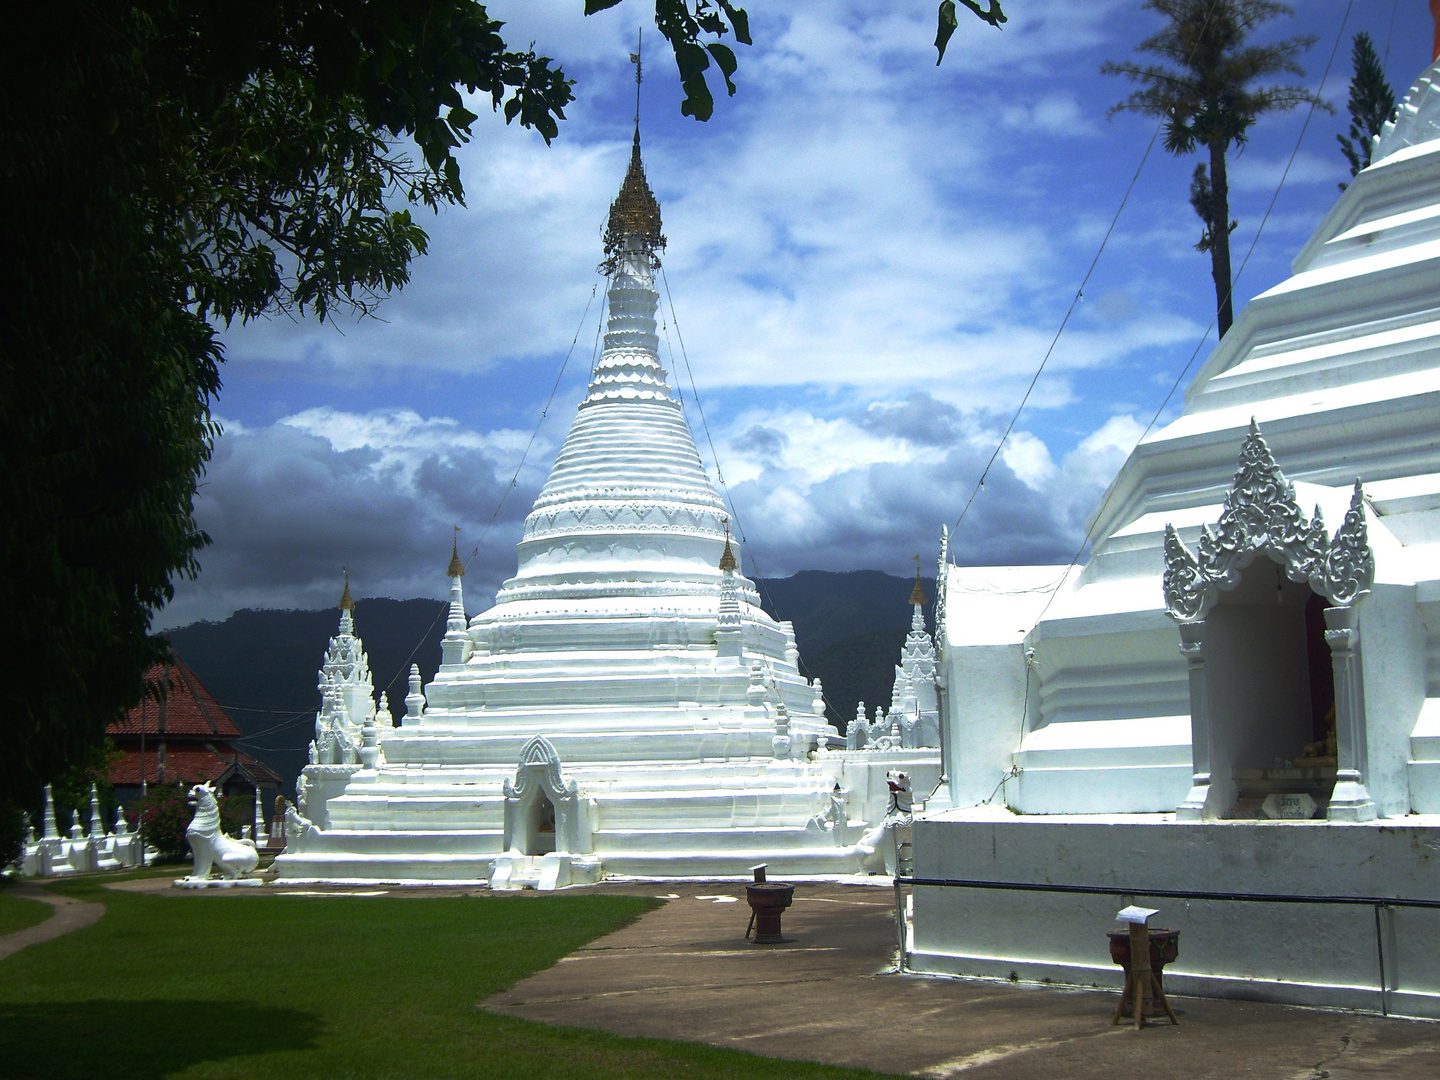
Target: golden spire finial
(727, 557)
(635, 213)
(917, 594)
(456, 567)
(347, 602)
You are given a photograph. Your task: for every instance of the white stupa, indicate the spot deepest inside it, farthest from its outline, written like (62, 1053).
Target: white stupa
(626, 706)
(1237, 697)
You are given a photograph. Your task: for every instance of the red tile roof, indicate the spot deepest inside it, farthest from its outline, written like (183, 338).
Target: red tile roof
(187, 708)
(189, 763)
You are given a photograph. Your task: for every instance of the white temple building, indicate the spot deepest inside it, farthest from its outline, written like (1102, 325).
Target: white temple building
(1231, 712)
(626, 707)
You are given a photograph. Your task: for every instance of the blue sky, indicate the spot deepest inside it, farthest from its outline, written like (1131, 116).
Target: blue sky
(868, 257)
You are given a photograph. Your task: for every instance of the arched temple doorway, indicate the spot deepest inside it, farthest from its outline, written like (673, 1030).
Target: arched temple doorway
(1277, 703)
(538, 836)
(1271, 692)
(544, 809)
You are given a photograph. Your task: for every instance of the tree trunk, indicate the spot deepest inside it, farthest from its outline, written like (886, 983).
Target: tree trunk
(1220, 249)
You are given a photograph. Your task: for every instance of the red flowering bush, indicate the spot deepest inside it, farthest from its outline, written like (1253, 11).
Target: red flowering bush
(163, 817)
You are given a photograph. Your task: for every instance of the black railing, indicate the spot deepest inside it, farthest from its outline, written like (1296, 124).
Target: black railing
(1173, 894)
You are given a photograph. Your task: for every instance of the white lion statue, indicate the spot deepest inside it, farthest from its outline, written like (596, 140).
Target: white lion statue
(210, 845)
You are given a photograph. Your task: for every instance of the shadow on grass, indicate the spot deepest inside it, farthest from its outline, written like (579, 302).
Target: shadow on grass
(119, 1040)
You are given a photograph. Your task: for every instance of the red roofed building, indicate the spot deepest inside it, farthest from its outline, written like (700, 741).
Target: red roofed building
(182, 738)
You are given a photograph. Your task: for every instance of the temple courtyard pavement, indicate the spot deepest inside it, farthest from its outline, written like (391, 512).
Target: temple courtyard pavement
(830, 994)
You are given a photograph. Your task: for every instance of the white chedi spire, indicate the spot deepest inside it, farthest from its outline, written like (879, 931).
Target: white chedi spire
(52, 830)
(914, 700)
(346, 691)
(97, 821)
(627, 509)
(455, 647)
(415, 699)
(729, 630)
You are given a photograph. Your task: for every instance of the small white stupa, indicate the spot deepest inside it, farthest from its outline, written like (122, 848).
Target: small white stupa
(626, 706)
(1238, 695)
(913, 719)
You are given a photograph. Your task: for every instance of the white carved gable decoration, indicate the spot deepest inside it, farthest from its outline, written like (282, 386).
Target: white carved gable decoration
(1261, 516)
(539, 751)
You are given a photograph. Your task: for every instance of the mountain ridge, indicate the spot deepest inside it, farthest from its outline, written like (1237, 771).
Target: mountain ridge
(261, 664)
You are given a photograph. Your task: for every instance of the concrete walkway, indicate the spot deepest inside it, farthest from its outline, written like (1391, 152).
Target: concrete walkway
(685, 972)
(70, 914)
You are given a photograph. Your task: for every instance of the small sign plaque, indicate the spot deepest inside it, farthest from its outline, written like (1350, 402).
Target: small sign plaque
(1287, 805)
(1133, 914)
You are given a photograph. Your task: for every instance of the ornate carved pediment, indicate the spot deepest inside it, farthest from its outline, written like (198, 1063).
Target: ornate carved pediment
(1261, 516)
(539, 763)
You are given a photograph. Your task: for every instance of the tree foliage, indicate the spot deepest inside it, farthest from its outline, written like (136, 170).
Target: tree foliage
(1205, 93)
(1202, 201)
(171, 165)
(684, 23)
(1371, 104)
(949, 21)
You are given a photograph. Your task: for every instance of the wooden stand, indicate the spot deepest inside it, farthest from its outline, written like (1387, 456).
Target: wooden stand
(1140, 983)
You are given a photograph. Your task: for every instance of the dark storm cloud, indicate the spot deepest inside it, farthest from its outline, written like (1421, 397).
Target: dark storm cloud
(876, 515)
(286, 511)
(761, 443)
(919, 418)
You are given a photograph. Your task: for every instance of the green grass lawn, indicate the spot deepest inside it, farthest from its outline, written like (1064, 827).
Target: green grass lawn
(16, 912)
(314, 988)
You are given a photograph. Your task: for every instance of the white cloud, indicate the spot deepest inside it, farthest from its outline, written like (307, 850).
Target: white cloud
(1249, 172)
(1029, 459)
(1054, 114)
(870, 256)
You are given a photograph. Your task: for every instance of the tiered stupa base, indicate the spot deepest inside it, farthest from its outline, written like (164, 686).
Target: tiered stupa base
(659, 819)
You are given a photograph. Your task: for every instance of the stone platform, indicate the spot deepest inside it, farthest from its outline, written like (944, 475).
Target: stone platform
(685, 972)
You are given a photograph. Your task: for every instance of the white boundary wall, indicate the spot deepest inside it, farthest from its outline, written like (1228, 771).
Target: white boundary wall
(1325, 954)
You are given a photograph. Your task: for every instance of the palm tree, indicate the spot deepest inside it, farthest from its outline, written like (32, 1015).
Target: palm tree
(1207, 98)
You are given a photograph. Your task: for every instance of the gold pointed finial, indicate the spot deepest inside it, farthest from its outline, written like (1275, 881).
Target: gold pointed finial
(635, 213)
(917, 594)
(347, 602)
(727, 557)
(456, 567)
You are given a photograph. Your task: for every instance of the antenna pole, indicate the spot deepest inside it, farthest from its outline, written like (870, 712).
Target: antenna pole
(635, 59)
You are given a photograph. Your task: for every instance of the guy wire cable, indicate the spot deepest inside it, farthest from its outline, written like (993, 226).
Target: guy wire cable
(1105, 502)
(1075, 301)
(444, 608)
(293, 719)
(729, 495)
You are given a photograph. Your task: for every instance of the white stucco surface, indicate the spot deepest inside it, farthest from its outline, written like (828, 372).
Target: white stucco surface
(1071, 708)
